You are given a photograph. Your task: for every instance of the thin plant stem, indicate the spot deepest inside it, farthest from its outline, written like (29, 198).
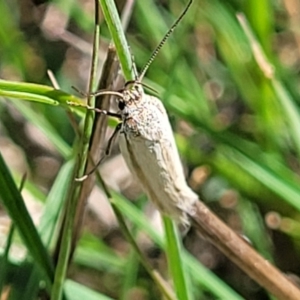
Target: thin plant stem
(67, 238)
(175, 261)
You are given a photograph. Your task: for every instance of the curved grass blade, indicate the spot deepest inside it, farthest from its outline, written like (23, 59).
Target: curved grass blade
(36, 92)
(14, 203)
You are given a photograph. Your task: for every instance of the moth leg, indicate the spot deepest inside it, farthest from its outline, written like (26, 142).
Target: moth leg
(105, 112)
(112, 139)
(97, 110)
(107, 153)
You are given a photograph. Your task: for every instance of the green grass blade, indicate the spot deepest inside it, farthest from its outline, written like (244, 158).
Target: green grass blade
(35, 92)
(14, 203)
(4, 262)
(288, 106)
(76, 291)
(289, 192)
(175, 262)
(54, 202)
(93, 253)
(254, 228)
(116, 30)
(131, 272)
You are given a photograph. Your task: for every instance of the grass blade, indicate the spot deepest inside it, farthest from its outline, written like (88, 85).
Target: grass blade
(14, 203)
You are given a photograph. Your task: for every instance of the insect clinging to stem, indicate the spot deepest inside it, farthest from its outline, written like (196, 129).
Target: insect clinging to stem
(148, 146)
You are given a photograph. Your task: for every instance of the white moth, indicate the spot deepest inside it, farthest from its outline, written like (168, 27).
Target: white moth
(147, 144)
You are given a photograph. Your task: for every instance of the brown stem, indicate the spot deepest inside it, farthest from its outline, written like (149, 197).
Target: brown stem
(110, 70)
(242, 254)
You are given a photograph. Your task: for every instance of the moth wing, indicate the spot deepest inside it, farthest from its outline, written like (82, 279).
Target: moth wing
(154, 160)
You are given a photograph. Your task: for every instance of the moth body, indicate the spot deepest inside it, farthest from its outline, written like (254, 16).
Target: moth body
(148, 147)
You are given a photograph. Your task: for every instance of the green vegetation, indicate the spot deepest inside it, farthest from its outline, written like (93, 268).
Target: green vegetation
(232, 97)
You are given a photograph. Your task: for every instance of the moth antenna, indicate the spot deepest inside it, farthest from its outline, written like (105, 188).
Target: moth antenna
(162, 42)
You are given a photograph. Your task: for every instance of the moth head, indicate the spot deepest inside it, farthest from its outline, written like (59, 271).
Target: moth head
(132, 92)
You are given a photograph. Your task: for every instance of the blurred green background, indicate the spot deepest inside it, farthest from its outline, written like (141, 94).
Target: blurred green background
(236, 128)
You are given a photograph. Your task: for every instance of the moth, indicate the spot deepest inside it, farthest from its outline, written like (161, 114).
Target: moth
(148, 146)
